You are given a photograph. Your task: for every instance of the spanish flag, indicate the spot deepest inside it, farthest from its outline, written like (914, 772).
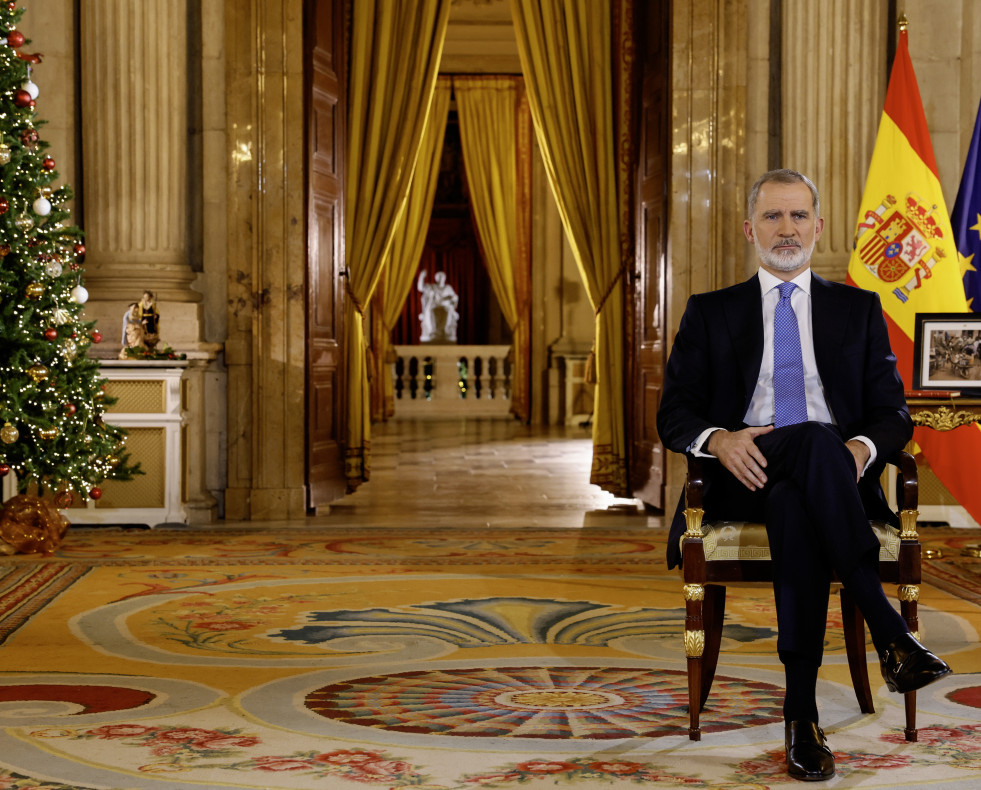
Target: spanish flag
(905, 250)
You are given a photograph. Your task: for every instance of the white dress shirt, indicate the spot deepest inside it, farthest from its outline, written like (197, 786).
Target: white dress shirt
(761, 407)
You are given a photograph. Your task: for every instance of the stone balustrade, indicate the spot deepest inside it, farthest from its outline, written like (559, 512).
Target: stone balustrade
(447, 381)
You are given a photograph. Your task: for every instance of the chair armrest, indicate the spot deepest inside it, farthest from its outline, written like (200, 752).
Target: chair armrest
(694, 482)
(907, 480)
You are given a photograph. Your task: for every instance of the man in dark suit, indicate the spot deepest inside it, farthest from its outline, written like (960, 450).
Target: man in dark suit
(791, 392)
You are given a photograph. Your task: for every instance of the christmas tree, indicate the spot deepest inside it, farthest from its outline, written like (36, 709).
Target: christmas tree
(52, 433)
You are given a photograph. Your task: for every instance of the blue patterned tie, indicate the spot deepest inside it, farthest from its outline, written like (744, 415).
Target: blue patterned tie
(789, 400)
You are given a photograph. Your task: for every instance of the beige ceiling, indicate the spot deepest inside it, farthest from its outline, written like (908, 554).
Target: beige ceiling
(480, 39)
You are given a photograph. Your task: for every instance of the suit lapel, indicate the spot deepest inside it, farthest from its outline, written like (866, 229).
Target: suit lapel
(829, 323)
(744, 322)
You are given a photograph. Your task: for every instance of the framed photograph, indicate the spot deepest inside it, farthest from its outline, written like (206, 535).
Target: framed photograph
(946, 349)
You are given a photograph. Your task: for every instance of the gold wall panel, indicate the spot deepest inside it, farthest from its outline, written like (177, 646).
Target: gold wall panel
(932, 490)
(137, 396)
(147, 446)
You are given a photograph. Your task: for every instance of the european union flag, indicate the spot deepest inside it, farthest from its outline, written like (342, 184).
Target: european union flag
(966, 219)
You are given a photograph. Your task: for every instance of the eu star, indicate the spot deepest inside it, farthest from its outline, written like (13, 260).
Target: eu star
(966, 262)
(977, 226)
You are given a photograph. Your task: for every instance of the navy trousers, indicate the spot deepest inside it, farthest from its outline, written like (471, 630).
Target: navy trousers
(817, 528)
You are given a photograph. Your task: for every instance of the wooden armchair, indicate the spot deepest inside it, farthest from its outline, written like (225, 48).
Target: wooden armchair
(722, 553)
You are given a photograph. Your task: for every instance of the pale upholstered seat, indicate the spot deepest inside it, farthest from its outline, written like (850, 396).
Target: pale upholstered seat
(722, 553)
(742, 540)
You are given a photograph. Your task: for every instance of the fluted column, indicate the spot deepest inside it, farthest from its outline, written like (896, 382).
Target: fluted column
(134, 79)
(833, 79)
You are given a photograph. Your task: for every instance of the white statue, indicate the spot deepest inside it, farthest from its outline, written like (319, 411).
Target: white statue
(132, 329)
(439, 315)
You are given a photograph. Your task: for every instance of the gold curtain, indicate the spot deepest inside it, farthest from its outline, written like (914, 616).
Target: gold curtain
(488, 111)
(407, 245)
(565, 48)
(396, 47)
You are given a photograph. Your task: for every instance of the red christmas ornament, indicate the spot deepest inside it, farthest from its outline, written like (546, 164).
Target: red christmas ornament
(97, 336)
(4, 470)
(15, 39)
(29, 138)
(33, 104)
(4, 205)
(12, 5)
(48, 163)
(96, 492)
(70, 408)
(79, 249)
(51, 333)
(22, 98)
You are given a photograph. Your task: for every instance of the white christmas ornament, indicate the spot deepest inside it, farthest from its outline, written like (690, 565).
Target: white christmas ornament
(79, 294)
(42, 207)
(53, 269)
(31, 88)
(61, 315)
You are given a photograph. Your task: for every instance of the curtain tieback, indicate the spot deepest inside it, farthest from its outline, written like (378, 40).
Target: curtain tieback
(589, 375)
(354, 299)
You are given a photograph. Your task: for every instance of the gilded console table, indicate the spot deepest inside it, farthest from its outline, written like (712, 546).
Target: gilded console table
(944, 414)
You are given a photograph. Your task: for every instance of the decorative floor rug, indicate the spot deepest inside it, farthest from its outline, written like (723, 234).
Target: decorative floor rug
(434, 659)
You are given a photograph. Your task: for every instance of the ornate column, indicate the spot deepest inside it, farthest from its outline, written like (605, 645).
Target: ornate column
(833, 89)
(134, 154)
(134, 76)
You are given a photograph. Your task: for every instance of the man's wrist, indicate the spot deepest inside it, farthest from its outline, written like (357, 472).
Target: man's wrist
(871, 448)
(700, 447)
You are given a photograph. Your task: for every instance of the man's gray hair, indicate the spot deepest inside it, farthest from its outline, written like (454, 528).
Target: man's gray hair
(782, 176)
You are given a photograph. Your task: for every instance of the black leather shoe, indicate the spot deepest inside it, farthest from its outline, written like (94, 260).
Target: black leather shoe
(907, 666)
(808, 755)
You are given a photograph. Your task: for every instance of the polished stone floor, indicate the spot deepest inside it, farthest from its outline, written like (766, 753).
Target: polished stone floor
(481, 472)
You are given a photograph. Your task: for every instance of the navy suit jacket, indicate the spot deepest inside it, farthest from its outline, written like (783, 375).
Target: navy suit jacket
(715, 361)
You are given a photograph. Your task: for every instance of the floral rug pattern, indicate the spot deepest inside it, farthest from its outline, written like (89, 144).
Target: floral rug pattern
(436, 660)
(170, 750)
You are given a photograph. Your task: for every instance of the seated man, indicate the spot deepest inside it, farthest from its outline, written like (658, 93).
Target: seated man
(789, 382)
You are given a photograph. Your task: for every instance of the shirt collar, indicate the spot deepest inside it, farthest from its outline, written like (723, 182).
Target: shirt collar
(769, 281)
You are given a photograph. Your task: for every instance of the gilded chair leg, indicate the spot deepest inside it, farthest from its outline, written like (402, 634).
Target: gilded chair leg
(909, 595)
(714, 612)
(694, 688)
(910, 731)
(695, 651)
(854, 629)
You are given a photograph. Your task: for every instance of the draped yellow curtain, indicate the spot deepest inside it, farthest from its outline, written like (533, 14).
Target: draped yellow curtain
(565, 49)
(409, 241)
(488, 111)
(395, 50)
